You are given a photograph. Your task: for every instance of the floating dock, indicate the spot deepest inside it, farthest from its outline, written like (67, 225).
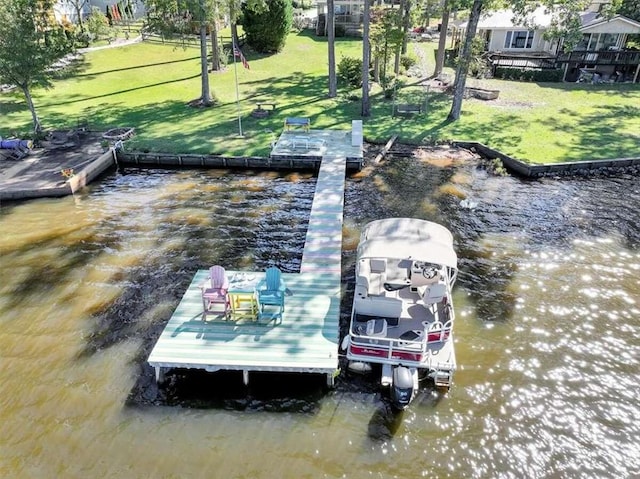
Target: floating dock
(306, 340)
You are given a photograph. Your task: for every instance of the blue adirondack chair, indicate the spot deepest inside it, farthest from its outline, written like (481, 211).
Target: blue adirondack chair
(271, 293)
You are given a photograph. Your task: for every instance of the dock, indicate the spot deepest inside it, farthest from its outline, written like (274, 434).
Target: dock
(306, 340)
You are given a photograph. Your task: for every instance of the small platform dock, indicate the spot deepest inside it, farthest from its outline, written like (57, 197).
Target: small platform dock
(303, 146)
(306, 340)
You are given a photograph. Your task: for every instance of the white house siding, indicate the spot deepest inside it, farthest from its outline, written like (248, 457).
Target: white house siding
(539, 44)
(617, 25)
(64, 10)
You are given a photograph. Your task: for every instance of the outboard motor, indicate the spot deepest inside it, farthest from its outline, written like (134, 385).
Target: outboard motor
(402, 387)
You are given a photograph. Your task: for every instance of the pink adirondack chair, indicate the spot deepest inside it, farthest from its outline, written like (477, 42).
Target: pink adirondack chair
(215, 298)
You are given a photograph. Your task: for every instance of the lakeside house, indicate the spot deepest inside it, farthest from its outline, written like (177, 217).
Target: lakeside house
(65, 10)
(605, 49)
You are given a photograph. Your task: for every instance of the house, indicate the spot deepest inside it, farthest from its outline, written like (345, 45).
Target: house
(603, 50)
(348, 17)
(65, 10)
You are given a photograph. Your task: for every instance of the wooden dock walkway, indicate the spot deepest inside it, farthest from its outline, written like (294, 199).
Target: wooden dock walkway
(306, 341)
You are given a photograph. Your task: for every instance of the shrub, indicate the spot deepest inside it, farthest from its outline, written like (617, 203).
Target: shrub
(268, 25)
(498, 167)
(529, 75)
(97, 24)
(407, 61)
(350, 71)
(389, 86)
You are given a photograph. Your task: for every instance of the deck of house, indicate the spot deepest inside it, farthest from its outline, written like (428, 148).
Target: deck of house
(306, 340)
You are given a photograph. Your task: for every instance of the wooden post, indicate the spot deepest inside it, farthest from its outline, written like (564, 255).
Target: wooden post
(386, 149)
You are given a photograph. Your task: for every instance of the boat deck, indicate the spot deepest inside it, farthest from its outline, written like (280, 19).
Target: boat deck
(406, 332)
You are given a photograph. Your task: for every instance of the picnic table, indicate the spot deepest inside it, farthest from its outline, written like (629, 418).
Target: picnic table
(297, 122)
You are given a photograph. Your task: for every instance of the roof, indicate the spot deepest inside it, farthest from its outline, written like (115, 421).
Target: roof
(408, 238)
(623, 24)
(541, 17)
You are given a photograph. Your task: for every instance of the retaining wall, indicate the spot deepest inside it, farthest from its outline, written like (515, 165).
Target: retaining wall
(550, 169)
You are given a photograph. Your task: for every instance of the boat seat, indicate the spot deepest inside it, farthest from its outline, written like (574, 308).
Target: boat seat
(372, 274)
(378, 306)
(377, 327)
(433, 293)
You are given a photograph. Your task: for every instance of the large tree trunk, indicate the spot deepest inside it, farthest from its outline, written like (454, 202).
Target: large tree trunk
(34, 116)
(463, 61)
(366, 54)
(442, 41)
(406, 23)
(331, 34)
(78, 9)
(215, 47)
(204, 71)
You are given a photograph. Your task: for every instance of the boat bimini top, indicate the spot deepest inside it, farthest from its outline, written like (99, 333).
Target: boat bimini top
(409, 238)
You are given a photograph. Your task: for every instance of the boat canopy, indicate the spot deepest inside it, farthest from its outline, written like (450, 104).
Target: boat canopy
(408, 238)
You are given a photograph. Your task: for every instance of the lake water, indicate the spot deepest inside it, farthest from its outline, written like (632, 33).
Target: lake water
(547, 331)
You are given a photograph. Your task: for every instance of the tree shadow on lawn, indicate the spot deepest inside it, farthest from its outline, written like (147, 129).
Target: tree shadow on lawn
(618, 89)
(108, 115)
(78, 98)
(299, 85)
(597, 135)
(138, 67)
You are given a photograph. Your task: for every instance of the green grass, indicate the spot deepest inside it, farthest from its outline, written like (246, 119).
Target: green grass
(147, 86)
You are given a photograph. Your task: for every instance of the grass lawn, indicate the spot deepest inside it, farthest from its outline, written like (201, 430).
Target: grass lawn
(148, 85)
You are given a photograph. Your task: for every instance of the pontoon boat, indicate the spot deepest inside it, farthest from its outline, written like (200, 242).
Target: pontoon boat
(402, 316)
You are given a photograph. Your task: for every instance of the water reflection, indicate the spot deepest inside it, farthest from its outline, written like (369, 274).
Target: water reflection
(546, 330)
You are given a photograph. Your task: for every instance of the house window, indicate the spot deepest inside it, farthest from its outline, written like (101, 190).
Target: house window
(598, 41)
(519, 39)
(584, 43)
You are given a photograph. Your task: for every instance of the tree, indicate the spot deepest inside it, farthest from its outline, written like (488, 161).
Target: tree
(464, 60)
(566, 18)
(386, 36)
(331, 45)
(366, 55)
(268, 25)
(630, 9)
(176, 18)
(216, 63)
(78, 6)
(442, 40)
(431, 8)
(30, 43)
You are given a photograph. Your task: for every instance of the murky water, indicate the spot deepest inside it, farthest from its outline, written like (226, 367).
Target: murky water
(547, 332)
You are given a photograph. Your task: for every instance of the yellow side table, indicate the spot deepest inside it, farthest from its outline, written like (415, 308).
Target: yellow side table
(243, 305)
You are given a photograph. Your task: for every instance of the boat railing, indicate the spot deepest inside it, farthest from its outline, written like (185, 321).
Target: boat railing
(389, 348)
(405, 349)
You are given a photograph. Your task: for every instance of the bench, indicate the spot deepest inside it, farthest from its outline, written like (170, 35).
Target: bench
(262, 104)
(295, 122)
(406, 108)
(14, 149)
